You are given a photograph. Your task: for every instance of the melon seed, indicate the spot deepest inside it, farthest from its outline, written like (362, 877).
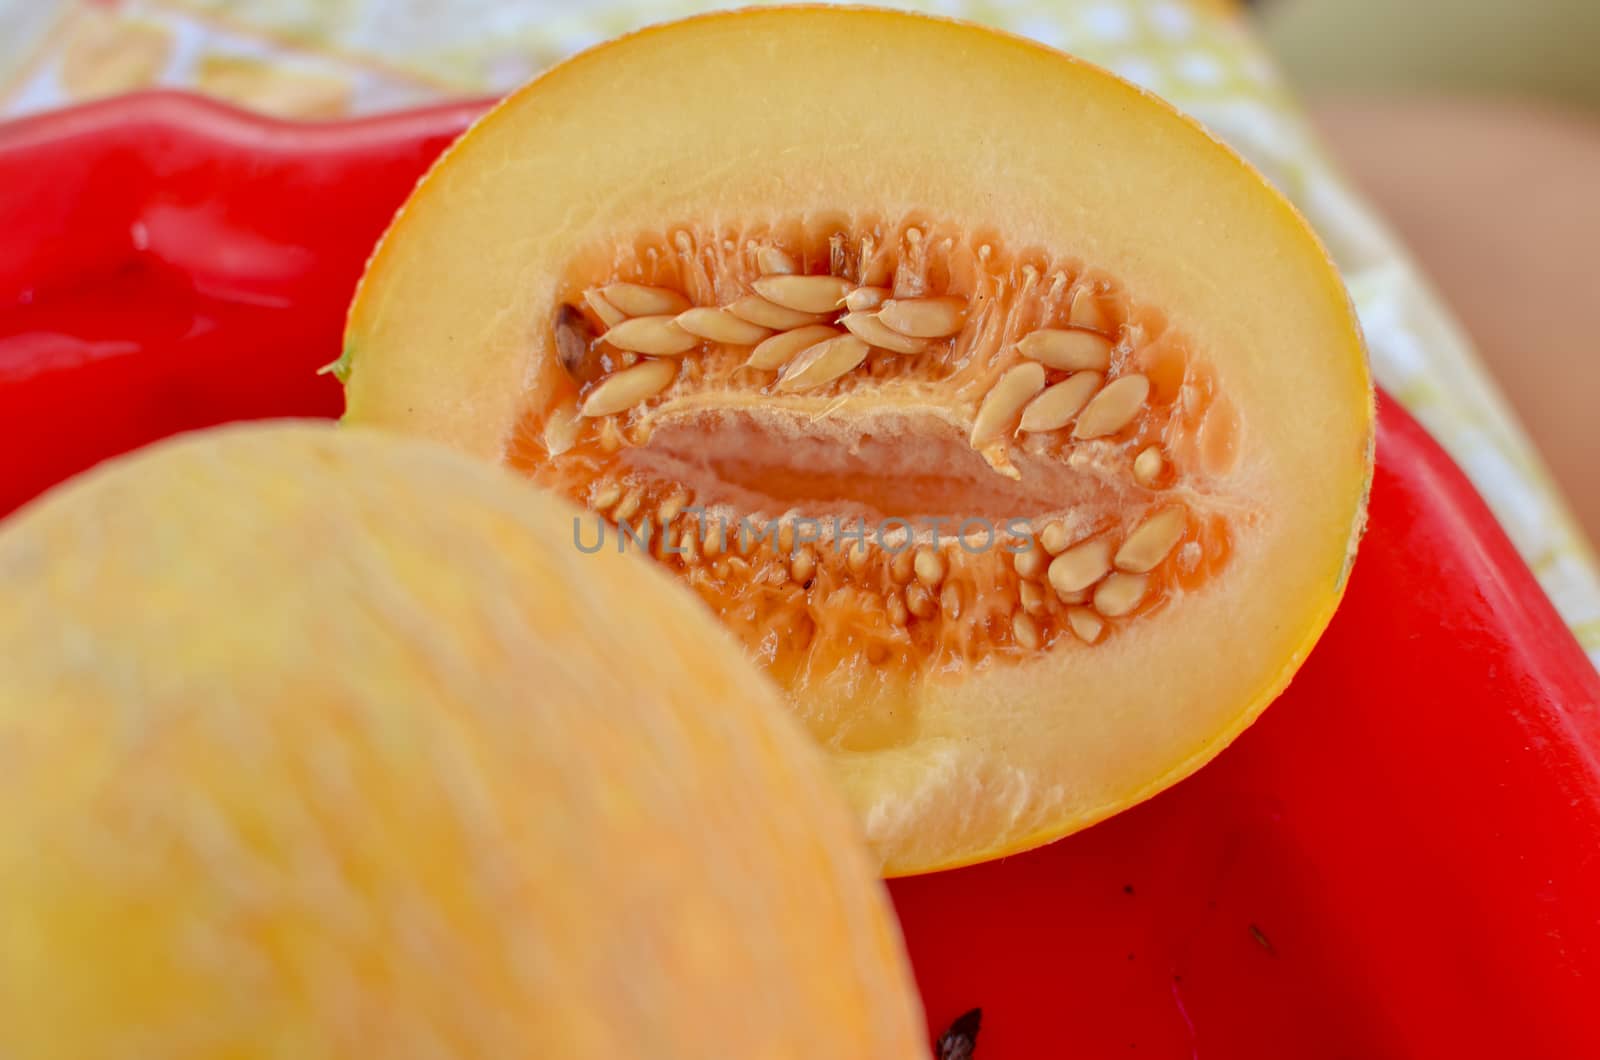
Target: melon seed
(804, 294)
(1081, 565)
(574, 340)
(867, 326)
(924, 318)
(862, 299)
(1055, 408)
(627, 388)
(1025, 630)
(776, 351)
(823, 363)
(1004, 402)
(1085, 311)
(1120, 593)
(672, 507)
(637, 300)
(1085, 624)
(1030, 564)
(758, 310)
(562, 427)
(659, 336)
(929, 566)
(1150, 542)
(900, 567)
(920, 602)
(1147, 466)
(719, 325)
(774, 262)
(632, 501)
(803, 566)
(609, 314)
(1113, 408)
(1067, 349)
(1054, 537)
(950, 601)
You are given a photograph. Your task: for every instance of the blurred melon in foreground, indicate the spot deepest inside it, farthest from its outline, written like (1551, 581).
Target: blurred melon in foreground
(332, 745)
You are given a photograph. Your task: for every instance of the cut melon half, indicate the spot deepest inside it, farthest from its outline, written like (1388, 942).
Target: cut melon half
(1017, 426)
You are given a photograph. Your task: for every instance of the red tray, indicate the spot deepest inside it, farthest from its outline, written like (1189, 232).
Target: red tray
(1402, 859)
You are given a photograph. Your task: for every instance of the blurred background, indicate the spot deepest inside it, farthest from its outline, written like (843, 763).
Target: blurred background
(1447, 150)
(1474, 128)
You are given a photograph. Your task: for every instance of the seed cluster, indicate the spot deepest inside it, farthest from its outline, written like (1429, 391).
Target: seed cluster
(1062, 583)
(810, 329)
(1094, 581)
(1075, 378)
(813, 330)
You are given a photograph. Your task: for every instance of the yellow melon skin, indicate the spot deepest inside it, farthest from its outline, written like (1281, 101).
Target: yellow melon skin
(323, 744)
(774, 114)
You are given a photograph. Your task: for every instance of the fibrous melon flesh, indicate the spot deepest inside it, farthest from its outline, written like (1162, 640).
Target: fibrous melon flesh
(324, 747)
(1019, 428)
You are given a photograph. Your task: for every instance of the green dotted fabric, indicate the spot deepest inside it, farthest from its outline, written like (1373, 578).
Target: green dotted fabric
(323, 58)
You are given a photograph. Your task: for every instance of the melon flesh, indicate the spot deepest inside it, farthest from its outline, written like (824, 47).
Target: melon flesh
(320, 744)
(1089, 388)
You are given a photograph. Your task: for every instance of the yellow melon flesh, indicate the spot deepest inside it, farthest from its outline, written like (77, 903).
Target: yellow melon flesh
(328, 746)
(800, 264)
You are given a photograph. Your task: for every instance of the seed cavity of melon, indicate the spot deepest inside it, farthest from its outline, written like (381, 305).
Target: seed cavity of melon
(1012, 456)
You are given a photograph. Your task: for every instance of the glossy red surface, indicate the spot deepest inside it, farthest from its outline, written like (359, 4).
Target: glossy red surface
(167, 263)
(1402, 859)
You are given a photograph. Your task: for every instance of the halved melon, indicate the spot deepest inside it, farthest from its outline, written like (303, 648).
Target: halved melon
(321, 744)
(1017, 426)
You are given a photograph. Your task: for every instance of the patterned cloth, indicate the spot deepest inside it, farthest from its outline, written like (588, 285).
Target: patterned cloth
(327, 58)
